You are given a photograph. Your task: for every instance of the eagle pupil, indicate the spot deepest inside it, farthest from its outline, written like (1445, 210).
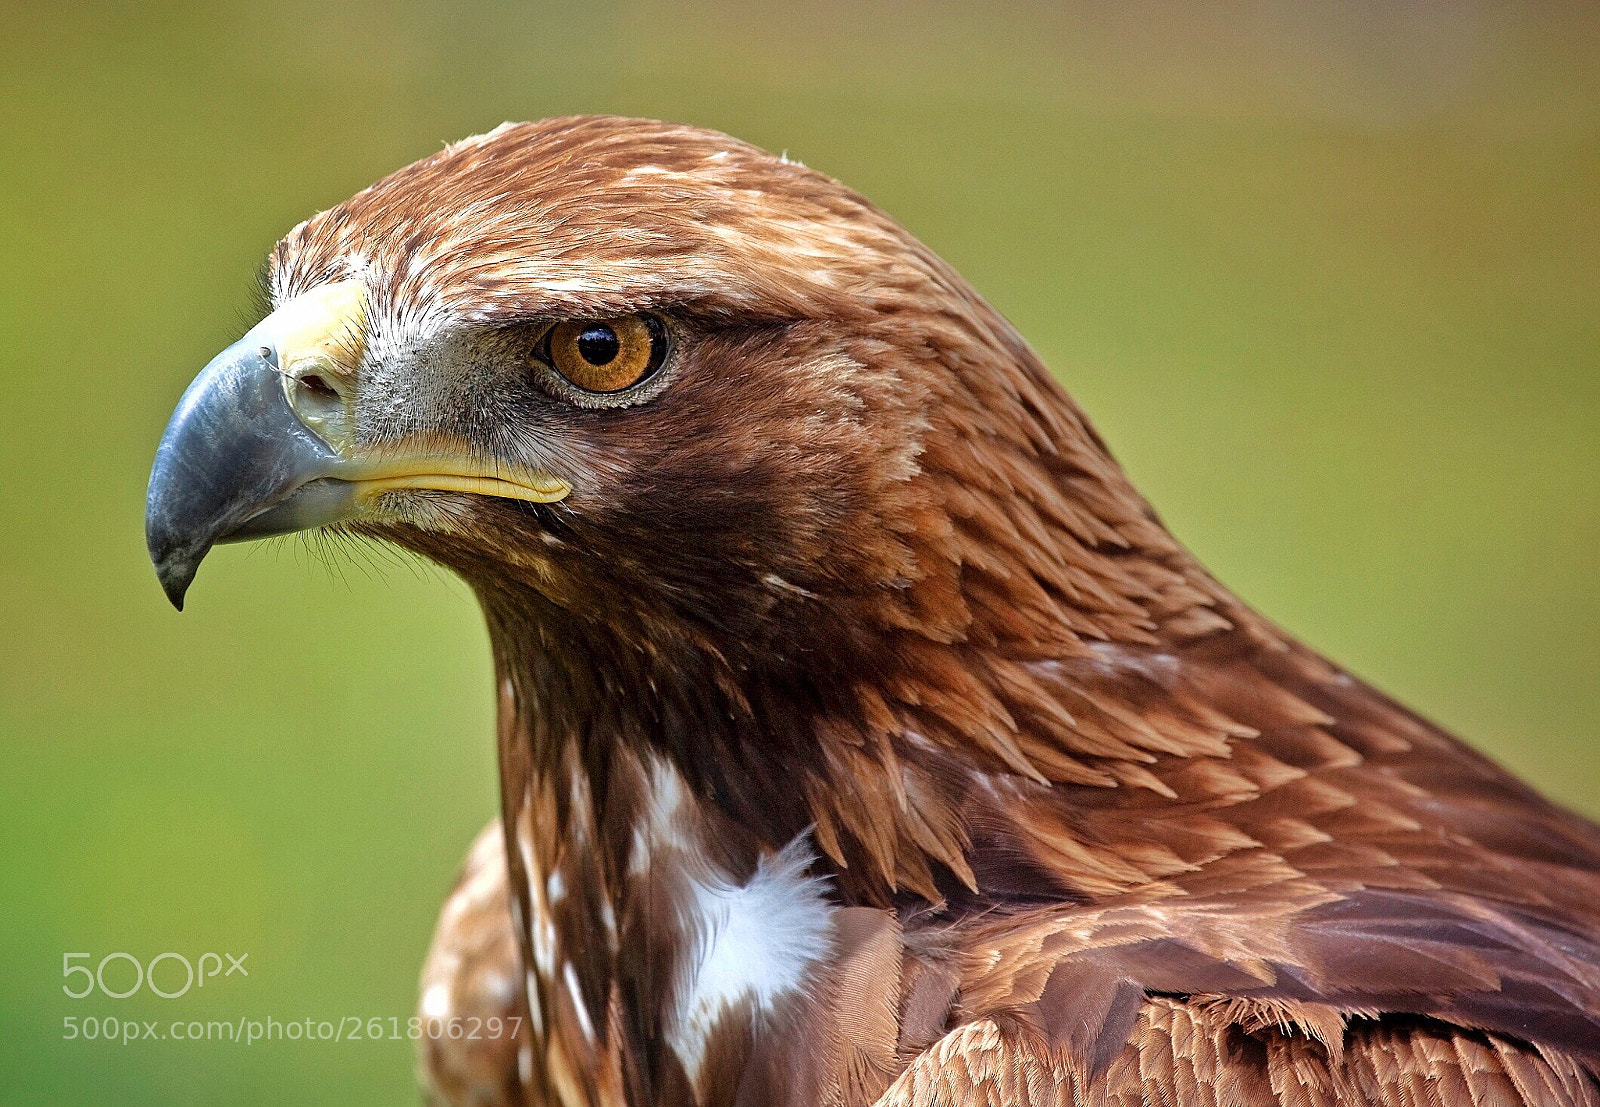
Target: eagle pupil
(598, 345)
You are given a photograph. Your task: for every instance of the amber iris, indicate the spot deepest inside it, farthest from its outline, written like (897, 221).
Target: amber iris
(607, 355)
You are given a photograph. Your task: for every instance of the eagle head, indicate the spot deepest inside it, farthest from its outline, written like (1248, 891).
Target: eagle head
(644, 371)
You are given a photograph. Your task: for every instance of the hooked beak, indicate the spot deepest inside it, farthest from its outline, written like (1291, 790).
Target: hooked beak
(264, 442)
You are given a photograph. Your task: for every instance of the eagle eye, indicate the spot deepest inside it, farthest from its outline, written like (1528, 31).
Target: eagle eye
(606, 355)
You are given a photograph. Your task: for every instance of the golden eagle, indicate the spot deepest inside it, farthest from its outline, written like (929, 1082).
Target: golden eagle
(864, 737)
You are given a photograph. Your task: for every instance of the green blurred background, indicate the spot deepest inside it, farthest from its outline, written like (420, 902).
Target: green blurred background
(1327, 274)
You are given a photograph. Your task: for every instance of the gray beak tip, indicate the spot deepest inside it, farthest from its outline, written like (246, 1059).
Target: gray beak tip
(176, 560)
(175, 591)
(176, 574)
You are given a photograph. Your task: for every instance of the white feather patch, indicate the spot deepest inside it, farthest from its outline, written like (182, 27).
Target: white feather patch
(755, 942)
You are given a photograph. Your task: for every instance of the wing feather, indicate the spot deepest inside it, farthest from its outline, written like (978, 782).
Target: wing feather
(1198, 1055)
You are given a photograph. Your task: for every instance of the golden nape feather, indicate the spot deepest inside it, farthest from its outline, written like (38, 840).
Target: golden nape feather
(864, 737)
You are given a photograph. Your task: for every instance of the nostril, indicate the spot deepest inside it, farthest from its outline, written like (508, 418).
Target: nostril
(319, 387)
(316, 393)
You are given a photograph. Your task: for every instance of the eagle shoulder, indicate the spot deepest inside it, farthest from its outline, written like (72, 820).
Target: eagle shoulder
(472, 981)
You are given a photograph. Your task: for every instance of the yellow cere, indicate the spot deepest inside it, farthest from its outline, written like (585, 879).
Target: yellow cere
(323, 326)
